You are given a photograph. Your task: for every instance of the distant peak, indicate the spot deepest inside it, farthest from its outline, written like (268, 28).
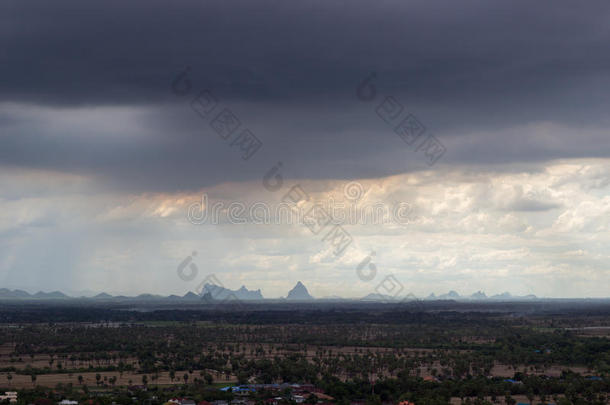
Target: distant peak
(299, 292)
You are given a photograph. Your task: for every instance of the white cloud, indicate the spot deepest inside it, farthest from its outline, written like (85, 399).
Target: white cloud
(541, 231)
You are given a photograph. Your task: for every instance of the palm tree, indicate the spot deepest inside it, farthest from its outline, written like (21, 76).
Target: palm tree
(209, 379)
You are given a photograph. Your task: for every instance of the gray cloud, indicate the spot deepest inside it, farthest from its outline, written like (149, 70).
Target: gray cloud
(99, 158)
(477, 74)
(428, 52)
(533, 205)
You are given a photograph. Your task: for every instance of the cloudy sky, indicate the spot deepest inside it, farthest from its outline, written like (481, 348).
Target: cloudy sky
(117, 118)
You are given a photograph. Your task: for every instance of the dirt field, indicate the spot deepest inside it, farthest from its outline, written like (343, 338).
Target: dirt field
(50, 380)
(500, 400)
(252, 351)
(503, 370)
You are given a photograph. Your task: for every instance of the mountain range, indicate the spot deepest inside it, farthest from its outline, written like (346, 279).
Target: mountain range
(6, 293)
(219, 293)
(298, 293)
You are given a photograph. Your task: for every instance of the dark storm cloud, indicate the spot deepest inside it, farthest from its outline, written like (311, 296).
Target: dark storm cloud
(126, 52)
(290, 69)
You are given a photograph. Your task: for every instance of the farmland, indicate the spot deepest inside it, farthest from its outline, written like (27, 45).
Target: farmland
(406, 353)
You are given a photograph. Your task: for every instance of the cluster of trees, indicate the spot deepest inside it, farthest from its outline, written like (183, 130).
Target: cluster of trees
(394, 349)
(570, 389)
(273, 352)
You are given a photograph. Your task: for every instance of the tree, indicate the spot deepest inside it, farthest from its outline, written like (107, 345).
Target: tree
(80, 379)
(144, 379)
(311, 399)
(208, 378)
(98, 377)
(185, 377)
(242, 377)
(172, 375)
(33, 377)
